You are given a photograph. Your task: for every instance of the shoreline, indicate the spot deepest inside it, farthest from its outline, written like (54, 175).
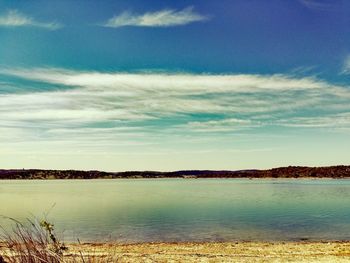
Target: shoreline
(191, 252)
(246, 251)
(178, 178)
(291, 172)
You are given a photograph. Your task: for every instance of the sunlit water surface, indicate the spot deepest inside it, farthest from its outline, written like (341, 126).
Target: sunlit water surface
(144, 210)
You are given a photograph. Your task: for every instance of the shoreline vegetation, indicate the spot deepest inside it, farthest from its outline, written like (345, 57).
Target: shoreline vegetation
(333, 172)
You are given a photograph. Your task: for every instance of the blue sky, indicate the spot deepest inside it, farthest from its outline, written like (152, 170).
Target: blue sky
(167, 85)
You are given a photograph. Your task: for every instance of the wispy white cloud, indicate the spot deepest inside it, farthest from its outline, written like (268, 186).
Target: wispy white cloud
(189, 83)
(346, 65)
(106, 110)
(223, 125)
(332, 121)
(152, 95)
(14, 18)
(162, 18)
(321, 5)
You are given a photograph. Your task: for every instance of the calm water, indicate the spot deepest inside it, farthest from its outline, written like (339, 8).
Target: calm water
(184, 210)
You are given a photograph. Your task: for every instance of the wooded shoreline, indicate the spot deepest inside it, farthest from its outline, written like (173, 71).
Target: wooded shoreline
(333, 172)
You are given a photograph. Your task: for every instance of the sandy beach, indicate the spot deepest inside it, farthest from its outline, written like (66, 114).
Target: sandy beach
(222, 252)
(208, 252)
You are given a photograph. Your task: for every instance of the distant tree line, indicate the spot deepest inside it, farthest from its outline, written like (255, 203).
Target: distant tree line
(340, 171)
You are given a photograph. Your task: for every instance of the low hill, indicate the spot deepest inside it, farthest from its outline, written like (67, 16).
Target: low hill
(340, 171)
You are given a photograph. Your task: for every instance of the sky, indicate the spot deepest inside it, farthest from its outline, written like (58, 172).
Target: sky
(166, 85)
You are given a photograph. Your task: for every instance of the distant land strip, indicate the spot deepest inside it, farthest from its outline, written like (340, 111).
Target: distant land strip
(335, 172)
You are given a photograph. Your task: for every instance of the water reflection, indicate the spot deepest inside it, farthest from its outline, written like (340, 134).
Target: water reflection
(185, 210)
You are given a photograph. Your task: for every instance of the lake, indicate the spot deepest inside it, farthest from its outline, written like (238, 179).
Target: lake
(144, 210)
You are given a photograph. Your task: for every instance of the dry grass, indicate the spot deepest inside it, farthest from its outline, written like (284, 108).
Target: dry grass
(36, 242)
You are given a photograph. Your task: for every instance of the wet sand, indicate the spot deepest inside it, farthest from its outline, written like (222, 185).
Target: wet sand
(221, 252)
